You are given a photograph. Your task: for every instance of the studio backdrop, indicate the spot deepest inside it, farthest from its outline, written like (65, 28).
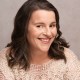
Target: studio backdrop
(69, 11)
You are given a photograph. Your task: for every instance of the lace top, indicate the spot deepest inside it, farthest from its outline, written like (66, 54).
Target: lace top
(51, 70)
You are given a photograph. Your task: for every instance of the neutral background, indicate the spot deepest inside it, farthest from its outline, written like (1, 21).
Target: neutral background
(69, 11)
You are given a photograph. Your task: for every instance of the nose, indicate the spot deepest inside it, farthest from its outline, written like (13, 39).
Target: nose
(47, 32)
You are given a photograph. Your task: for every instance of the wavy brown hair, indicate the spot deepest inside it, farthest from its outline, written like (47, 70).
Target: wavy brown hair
(19, 52)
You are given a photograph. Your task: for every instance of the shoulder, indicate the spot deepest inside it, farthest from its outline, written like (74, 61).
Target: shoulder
(72, 65)
(4, 68)
(70, 55)
(4, 51)
(3, 54)
(3, 59)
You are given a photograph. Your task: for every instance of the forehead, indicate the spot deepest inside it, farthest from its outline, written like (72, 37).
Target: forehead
(43, 16)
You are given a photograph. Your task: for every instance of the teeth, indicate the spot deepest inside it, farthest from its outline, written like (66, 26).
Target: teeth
(44, 40)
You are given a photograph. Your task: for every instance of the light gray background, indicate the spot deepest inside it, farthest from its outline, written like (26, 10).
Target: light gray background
(69, 11)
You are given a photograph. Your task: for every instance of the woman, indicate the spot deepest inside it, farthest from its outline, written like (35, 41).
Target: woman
(37, 50)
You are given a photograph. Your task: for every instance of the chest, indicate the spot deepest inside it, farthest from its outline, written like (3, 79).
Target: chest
(42, 73)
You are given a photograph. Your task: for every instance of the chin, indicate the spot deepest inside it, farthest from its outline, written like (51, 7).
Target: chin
(45, 50)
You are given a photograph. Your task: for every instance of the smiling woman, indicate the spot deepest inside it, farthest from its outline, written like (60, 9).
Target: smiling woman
(37, 50)
(41, 31)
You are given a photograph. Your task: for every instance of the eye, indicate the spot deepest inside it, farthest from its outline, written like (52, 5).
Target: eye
(53, 25)
(39, 26)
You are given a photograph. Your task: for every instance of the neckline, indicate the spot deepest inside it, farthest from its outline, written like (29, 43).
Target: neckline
(41, 66)
(45, 63)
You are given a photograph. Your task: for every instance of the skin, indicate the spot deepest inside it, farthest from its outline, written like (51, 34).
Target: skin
(41, 33)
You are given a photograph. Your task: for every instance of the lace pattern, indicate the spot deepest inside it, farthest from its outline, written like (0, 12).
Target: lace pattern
(52, 70)
(40, 72)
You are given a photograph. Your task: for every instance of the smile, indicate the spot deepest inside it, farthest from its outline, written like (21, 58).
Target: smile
(45, 40)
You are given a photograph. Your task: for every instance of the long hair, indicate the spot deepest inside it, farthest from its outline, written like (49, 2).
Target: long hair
(19, 52)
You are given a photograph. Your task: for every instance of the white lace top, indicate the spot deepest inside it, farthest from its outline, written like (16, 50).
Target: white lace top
(51, 70)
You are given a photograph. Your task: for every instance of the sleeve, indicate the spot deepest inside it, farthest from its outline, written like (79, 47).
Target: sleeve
(2, 77)
(72, 66)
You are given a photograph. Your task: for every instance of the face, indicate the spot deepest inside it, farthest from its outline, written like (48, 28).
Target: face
(41, 30)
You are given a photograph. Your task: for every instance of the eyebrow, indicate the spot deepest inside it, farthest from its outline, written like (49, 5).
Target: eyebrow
(43, 23)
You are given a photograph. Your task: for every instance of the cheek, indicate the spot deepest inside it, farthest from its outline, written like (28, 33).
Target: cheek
(32, 33)
(30, 37)
(54, 31)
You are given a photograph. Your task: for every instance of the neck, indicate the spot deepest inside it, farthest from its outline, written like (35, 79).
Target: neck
(38, 57)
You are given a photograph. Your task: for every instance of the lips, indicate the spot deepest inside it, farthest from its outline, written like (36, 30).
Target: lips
(44, 40)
